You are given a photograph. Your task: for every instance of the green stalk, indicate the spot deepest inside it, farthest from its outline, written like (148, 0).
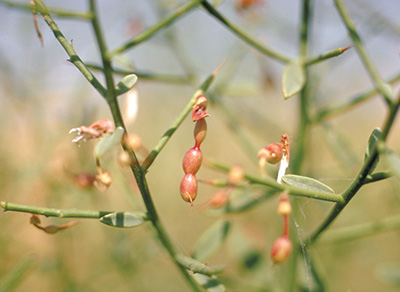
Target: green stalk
(55, 11)
(60, 213)
(137, 170)
(325, 114)
(243, 35)
(74, 58)
(363, 176)
(146, 34)
(382, 87)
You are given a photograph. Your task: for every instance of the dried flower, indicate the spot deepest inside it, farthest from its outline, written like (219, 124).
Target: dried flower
(95, 130)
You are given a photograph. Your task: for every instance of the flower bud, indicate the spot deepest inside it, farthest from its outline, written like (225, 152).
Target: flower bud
(272, 153)
(236, 175)
(103, 180)
(200, 131)
(192, 160)
(84, 180)
(219, 199)
(281, 249)
(188, 188)
(284, 207)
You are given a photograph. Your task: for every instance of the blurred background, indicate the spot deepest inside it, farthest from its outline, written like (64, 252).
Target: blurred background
(43, 96)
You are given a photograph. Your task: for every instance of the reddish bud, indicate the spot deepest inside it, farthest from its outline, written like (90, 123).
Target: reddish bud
(103, 180)
(281, 249)
(219, 199)
(84, 180)
(272, 153)
(236, 175)
(200, 131)
(284, 207)
(192, 160)
(189, 188)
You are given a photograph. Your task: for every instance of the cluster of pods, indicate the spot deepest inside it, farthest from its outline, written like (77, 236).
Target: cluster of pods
(193, 157)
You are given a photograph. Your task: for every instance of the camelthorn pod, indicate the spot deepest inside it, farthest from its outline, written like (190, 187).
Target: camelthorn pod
(272, 153)
(189, 188)
(192, 160)
(200, 131)
(281, 249)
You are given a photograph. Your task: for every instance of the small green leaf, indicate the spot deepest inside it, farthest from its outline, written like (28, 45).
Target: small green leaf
(306, 183)
(211, 240)
(293, 78)
(123, 219)
(109, 141)
(393, 159)
(210, 283)
(126, 84)
(372, 141)
(198, 267)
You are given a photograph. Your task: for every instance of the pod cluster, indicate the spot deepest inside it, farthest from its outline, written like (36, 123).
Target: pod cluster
(193, 157)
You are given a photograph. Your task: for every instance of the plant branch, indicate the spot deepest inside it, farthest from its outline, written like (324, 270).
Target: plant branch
(74, 58)
(382, 87)
(55, 11)
(243, 35)
(146, 34)
(363, 176)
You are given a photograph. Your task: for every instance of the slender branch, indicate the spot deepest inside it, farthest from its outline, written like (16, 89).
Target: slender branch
(362, 177)
(74, 58)
(146, 75)
(380, 84)
(55, 11)
(146, 34)
(53, 212)
(325, 114)
(361, 230)
(243, 35)
(270, 182)
(328, 55)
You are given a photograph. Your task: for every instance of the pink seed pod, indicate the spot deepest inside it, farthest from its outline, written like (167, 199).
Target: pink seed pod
(220, 199)
(281, 249)
(189, 188)
(192, 160)
(200, 131)
(272, 153)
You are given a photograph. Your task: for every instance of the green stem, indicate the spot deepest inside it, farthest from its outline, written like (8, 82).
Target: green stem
(137, 170)
(146, 75)
(52, 212)
(270, 182)
(380, 84)
(363, 176)
(325, 114)
(74, 58)
(243, 35)
(361, 230)
(146, 34)
(326, 56)
(55, 11)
